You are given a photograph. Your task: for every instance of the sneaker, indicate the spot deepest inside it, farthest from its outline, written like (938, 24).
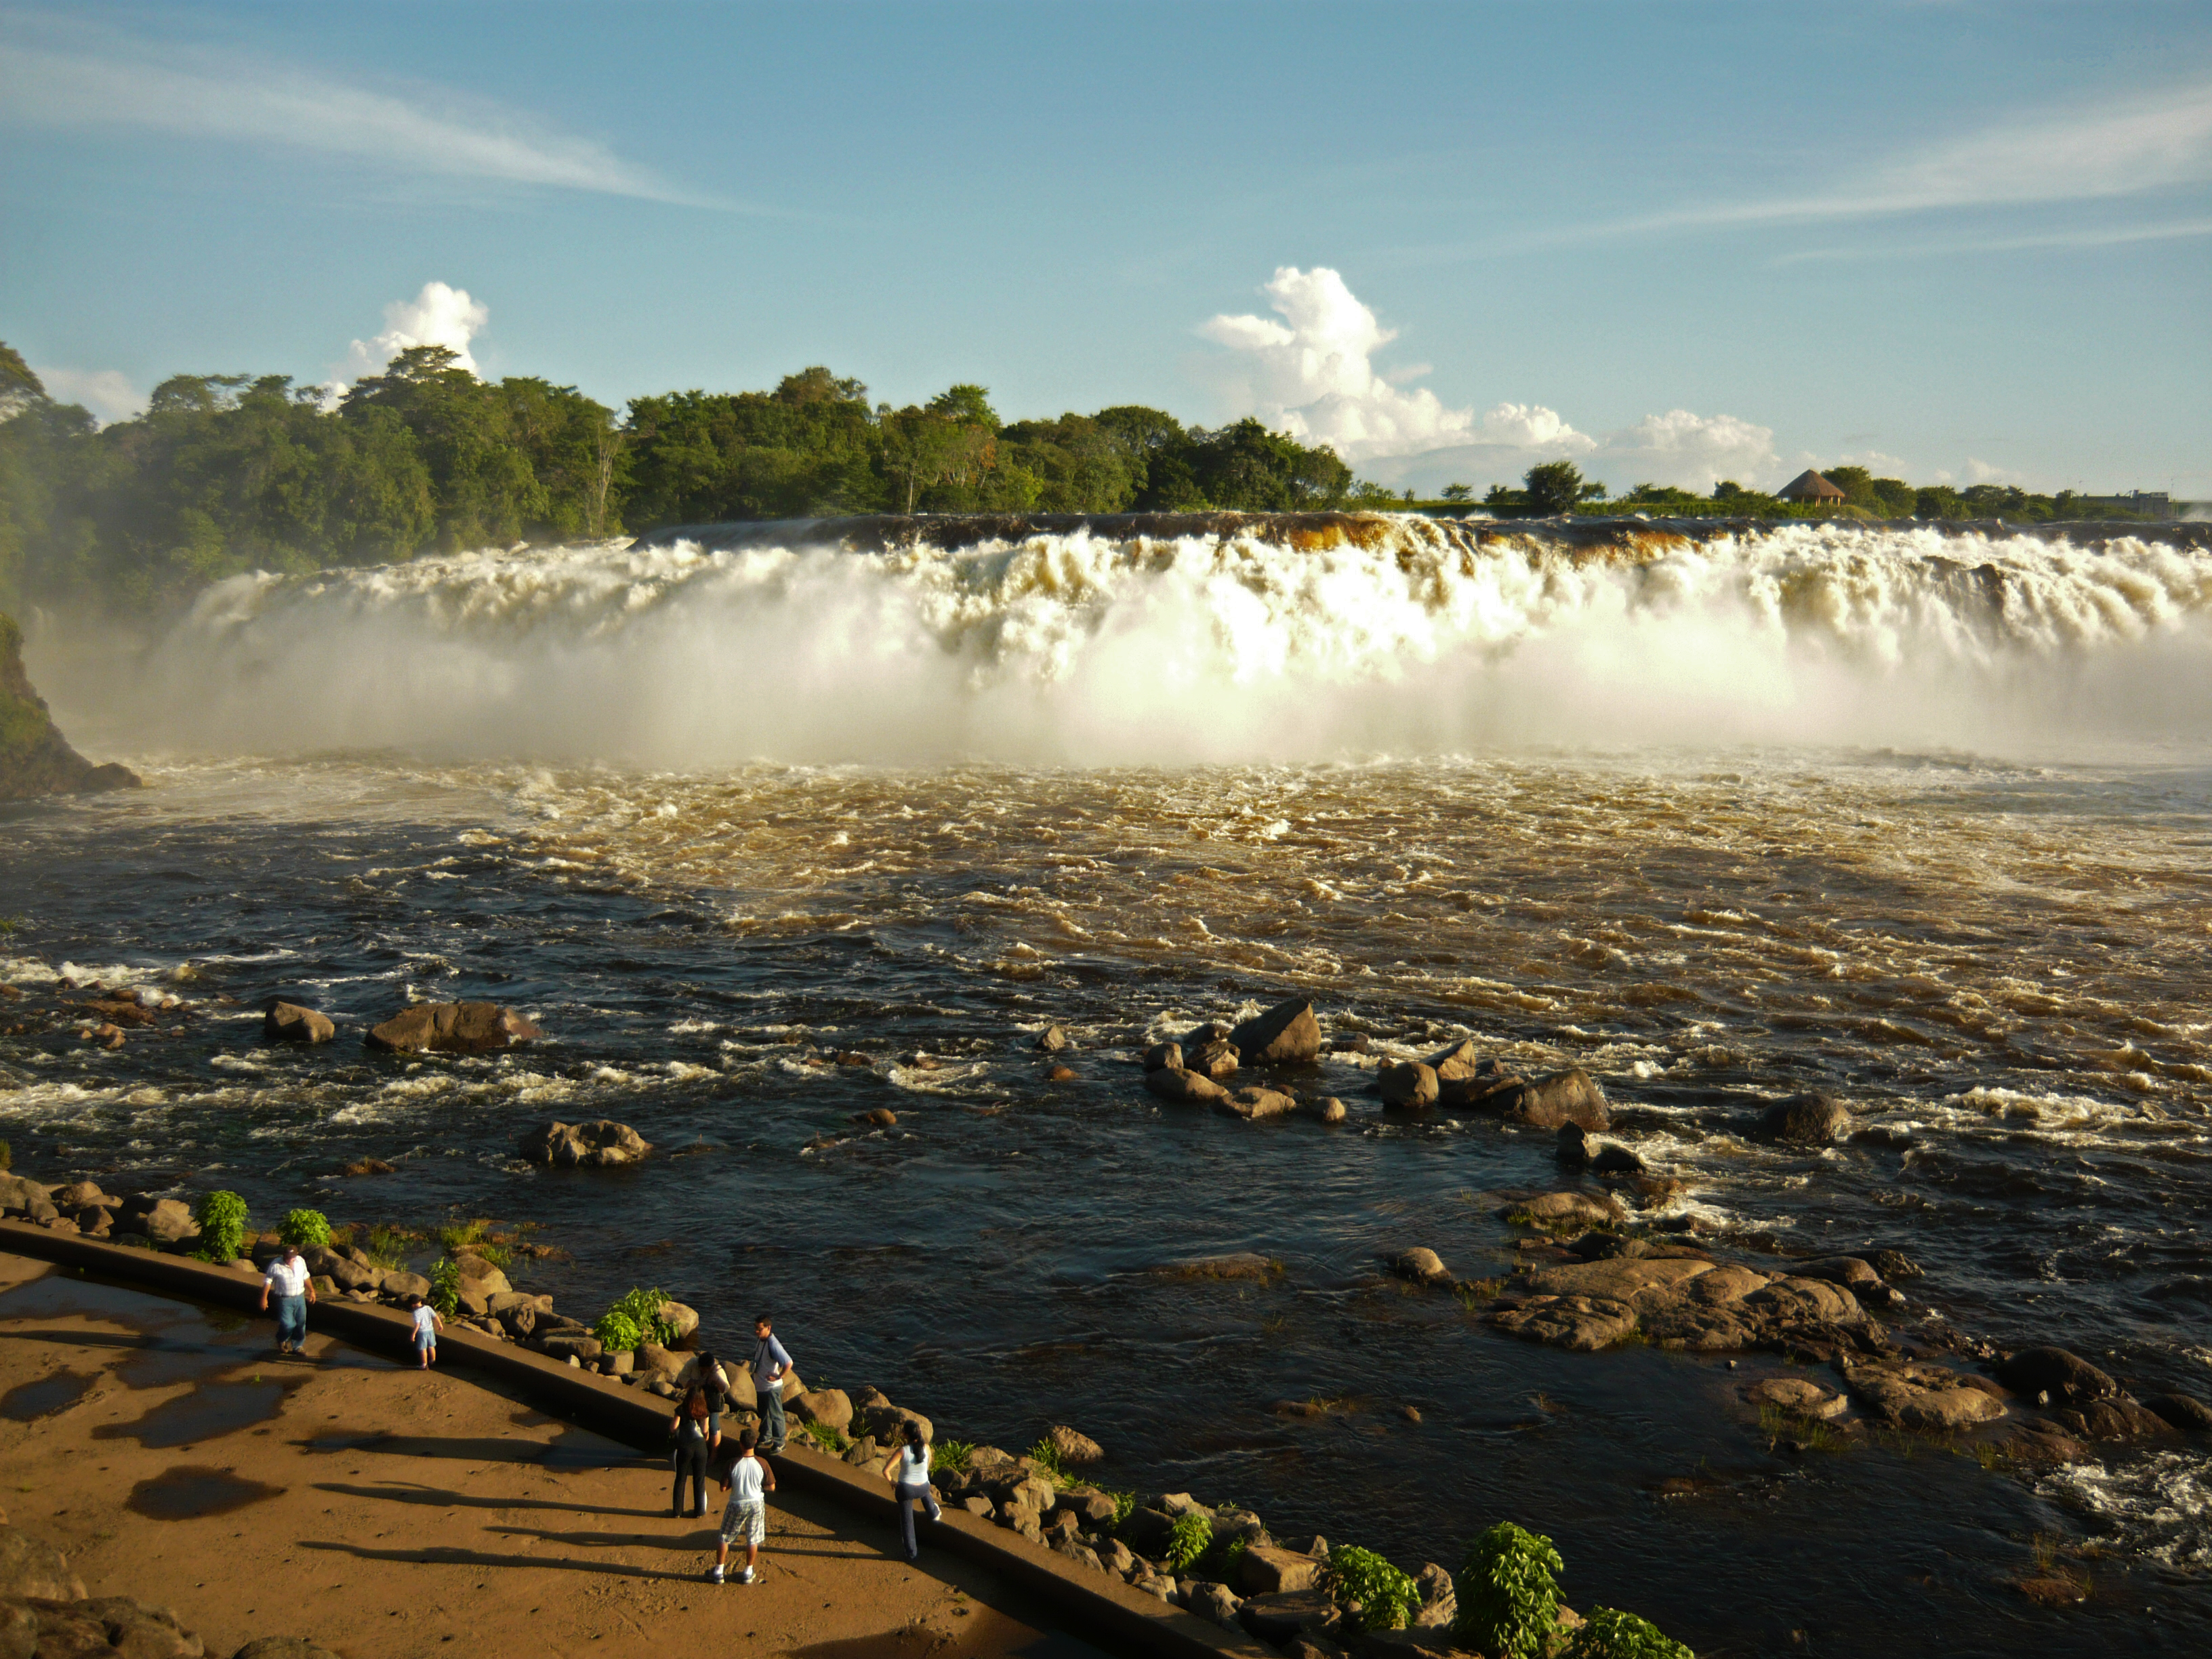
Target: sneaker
(744, 1575)
(715, 1575)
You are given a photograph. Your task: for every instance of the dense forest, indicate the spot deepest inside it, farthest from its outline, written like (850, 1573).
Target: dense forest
(226, 473)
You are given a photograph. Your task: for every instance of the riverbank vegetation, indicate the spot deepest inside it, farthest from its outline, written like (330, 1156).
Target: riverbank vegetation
(228, 473)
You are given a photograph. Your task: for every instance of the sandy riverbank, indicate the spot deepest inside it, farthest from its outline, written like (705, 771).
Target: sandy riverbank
(177, 1460)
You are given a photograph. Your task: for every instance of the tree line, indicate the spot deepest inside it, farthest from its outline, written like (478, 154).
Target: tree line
(1559, 487)
(226, 473)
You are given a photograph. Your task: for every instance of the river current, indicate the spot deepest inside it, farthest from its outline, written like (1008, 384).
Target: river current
(1923, 819)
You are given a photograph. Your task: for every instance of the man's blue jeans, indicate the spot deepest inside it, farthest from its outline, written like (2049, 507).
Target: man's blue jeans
(291, 1317)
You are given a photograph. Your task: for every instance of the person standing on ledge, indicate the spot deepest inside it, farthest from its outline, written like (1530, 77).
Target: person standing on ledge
(745, 1516)
(770, 1362)
(908, 1470)
(427, 1327)
(288, 1278)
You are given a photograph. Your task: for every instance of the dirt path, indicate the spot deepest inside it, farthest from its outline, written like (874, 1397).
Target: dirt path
(382, 1512)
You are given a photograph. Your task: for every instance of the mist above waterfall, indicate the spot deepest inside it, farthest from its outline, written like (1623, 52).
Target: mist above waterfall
(1112, 642)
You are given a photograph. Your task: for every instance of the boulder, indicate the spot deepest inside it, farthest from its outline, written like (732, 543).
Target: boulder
(518, 1319)
(1164, 1057)
(2114, 1420)
(480, 1276)
(2189, 1415)
(887, 1424)
(1264, 1570)
(1215, 1603)
(2065, 1378)
(1145, 1530)
(451, 1027)
(681, 1316)
(1559, 1211)
(597, 1145)
(1408, 1085)
(1256, 1105)
(1439, 1599)
(1087, 1506)
(32, 1567)
(19, 1194)
(1421, 1265)
(1914, 1395)
(1330, 1110)
(167, 1222)
(654, 1361)
(104, 1626)
(1188, 1088)
(1286, 1034)
(287, 1022)
(343, 1271)
(1798, 1395)
(1568, 1097)
(565, 1346)
(1458, 1061)
(1573, 1148)
(1072, 1447)
(283, 1647)
(1615, 1162)
(1854, 1272)
(400, 1284)
(1052, 1039)
(1242, 1264)
(1811, 1119)
(83, 1194)
(831, 1407)
(1215, 1059)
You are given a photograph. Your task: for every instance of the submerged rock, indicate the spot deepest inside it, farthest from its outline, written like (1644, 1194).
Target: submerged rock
(2055, 1376)
(2191, 1415)
(287, 1022)
(1215, 1058)
(1164, 1057)
(1458, 1061)
(1812, 1119)
(1257, 1105)
(451, 1027)
(1915, 1396)
(1408, 1086)
(1188, 1088)
(599, 1144)
(1421, 1265)
(1075, 1448)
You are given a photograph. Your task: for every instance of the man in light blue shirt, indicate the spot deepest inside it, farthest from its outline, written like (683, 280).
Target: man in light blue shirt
(770, 1362)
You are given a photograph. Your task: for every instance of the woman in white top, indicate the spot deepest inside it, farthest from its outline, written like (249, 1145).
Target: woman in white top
(908, 1470)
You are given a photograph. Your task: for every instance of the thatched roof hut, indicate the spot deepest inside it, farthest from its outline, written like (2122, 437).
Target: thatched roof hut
(1810, 486)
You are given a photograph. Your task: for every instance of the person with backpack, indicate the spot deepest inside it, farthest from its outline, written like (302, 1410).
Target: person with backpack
(703, 1370)
(770, 1364)
(908, 1470)
(695, 1443)
(745, 1516)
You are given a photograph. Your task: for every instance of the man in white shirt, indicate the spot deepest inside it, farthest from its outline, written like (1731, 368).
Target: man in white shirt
(295, 1290)
(745, 1517)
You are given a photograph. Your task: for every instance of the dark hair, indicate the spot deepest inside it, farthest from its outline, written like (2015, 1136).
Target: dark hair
(696, 1403)
(413, 1300)
(747, 1440)
(763, 1319)
(912, 1431)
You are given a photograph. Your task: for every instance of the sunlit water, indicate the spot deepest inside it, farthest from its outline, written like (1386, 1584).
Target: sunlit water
(1955, 862)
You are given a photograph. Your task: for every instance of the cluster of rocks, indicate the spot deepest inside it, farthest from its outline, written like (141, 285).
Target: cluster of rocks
(1198, 1070)
(46, 1613)
(1456, 1078)
(443, 1028)
(104, 1014)
(81, 1206)
(1582, 1283)
(599, 1144)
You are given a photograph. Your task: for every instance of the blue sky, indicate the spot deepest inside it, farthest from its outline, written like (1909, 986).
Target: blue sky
(1670, 240)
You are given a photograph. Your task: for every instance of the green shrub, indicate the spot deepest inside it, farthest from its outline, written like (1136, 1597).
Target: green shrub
(1125, 1505)
(474, 1239)
(222, 1227)
(617, 1332)
(386, 1247)
(1610, 1633)
(1387, 1598)
(308, 1229)
(1188, 1539)
(643, 1309)
(951, 1453)
(445, 1286)
(1221, 1561)
(820, 1433)
(1046, 1456)
(1509, 1601)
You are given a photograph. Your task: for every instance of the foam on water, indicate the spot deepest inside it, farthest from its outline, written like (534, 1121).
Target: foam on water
(1081, 645)
(2160, 1505)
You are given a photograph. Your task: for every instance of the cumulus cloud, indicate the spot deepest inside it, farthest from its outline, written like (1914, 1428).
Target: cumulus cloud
(85, 77)
(107, 392)
(440, 315)
(1309, 371)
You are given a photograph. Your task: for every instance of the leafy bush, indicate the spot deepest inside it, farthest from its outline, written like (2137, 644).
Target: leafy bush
(1385, 1596)
(951, 1453)
(1610, 1633)
(387, 1246)
(1509, 1601)
(222, 1227)
(446, 1287)
(474, 1239)
(1221, 1561)
(617, 1332)
(643, 1309)
(1188, 1539)
(1125, 1505)
(310, 1230)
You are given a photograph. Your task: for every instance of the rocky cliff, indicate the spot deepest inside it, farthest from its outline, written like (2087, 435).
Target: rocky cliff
(34, 758)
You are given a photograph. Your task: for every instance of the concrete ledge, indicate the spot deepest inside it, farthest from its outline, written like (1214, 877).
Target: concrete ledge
(1095, 1602)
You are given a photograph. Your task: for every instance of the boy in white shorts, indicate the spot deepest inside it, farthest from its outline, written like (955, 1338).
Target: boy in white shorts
(745, 1516)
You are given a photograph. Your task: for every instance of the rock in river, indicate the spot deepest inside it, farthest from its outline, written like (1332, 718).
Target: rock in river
(287, 1022)
(451, 1027)
(2066, 1378)
(589, 1146)
(1187, 1087)
(1408, 1086)
(1288, 1034)
(1164, 1057)
(1421, 1265)
(1812, 1119)
(1918, 1396)
(1257, 1105)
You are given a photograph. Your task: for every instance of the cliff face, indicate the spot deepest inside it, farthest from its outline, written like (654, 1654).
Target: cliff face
(35, 759)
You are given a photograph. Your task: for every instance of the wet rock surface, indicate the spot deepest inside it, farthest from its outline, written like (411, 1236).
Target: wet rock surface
(451, 1027)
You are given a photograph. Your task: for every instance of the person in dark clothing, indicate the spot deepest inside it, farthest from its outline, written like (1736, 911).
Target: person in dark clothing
(695, 1444)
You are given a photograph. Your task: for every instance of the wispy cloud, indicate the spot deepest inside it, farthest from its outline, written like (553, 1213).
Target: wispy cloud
(2116, 147)
(2112, 236)
(104, 82)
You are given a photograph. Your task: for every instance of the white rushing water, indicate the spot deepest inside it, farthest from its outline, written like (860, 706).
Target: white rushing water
(1100, 646)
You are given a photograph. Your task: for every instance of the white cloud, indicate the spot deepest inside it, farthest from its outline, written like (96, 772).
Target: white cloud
(107, 392)
(440, 315)
(103, 80)
(1312, 374)
(2113, 147)
(2110, 236)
